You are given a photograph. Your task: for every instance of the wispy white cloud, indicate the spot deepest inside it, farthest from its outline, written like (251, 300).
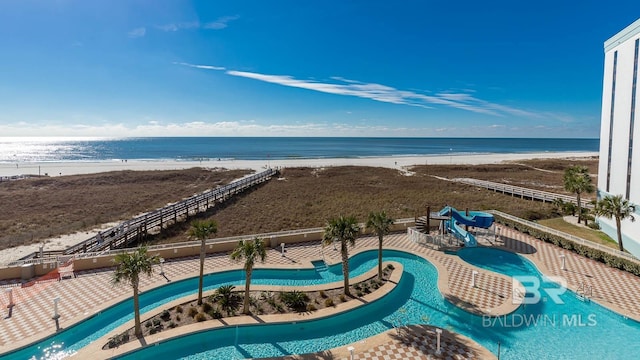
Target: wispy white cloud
(137, 32)
(206, 67)
(179, 26)
(220, 23)
(217, 24)
(383, 93)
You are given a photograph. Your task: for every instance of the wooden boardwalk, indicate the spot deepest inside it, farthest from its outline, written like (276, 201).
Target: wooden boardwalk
(522, 192)
(137, 228)
(131, 231)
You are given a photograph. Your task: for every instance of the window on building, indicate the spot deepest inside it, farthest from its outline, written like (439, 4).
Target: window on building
(613, 101)
(632, 119)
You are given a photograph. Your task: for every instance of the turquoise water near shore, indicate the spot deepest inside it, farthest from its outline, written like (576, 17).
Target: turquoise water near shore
(14, 150)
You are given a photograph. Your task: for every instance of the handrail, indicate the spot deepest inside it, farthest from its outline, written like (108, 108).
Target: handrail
(198, 243)
(522, 191)
(573, 238)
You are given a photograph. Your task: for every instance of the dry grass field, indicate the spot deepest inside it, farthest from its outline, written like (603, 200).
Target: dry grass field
(39, 208)
(34, 209)
(306, 197)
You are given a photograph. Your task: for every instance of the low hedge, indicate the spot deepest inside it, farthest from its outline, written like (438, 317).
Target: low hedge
(594, 254)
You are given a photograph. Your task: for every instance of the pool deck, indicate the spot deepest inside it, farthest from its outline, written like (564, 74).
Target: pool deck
(91, 292)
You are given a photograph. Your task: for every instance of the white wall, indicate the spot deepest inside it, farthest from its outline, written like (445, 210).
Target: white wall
(624, 44)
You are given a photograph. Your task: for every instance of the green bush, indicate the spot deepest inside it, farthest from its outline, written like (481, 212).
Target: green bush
(311, 307)
(179, 309)
(343, 298)
(215, 313)
(591, 253)
(328, 303)
(206, 307)
(294, 299)
(166, 315)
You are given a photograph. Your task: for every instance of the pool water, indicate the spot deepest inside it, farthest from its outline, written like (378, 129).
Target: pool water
(415, 300)
(76, 337)
(573, 330)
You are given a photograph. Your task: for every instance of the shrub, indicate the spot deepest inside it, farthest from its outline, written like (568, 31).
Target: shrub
(215, 313)
(390, 267)
(192, 311)
(166, 315)
(328, 302)
(179, 309)
(178, 318)
(153, 331)
(156, 322)
(172, 325)
(206, 307)
(148, 324)
(343, 298)
(200, 317)
(594, 254)
(118, 340)
(294, 299)
(594, 225)
(359, 293)
(311, 307)
(322, 294)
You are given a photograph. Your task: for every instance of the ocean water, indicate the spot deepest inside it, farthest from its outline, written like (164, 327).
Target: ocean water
(263, 148)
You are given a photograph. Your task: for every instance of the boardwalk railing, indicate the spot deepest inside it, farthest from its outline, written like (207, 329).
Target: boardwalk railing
(522, 192)
(573, 238)
(137, 228)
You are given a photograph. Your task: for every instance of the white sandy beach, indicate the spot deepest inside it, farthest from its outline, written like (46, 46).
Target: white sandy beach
(75, 168)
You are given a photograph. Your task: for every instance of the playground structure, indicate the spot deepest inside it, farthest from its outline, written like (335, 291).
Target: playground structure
(453, 229)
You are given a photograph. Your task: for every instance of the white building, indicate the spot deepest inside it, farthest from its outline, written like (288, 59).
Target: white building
(619, 167)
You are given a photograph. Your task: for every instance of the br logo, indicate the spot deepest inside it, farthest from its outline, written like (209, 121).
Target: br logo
(553, 288)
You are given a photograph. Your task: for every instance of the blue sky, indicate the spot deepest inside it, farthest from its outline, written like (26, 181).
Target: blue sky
(305, 68)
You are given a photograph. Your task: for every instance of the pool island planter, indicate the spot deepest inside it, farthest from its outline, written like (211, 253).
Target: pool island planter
(95, 350)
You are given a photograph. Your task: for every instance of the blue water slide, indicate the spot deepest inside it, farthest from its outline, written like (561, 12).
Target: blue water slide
(461, 233)
(475, 218)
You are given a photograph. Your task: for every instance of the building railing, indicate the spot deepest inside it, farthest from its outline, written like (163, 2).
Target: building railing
(265, 236)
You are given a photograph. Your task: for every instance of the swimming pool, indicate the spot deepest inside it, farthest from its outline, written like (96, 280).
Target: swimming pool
(415, 300)
(589, 331)
(76, 337)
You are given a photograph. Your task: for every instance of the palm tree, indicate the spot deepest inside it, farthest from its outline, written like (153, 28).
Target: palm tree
(344, 229)
(380, 224)
(618, 208)
(577, 180)
(250, 251)
(202, 229)
(129, 267)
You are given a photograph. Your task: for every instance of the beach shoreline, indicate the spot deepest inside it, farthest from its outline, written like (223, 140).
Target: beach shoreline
(393, 162)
